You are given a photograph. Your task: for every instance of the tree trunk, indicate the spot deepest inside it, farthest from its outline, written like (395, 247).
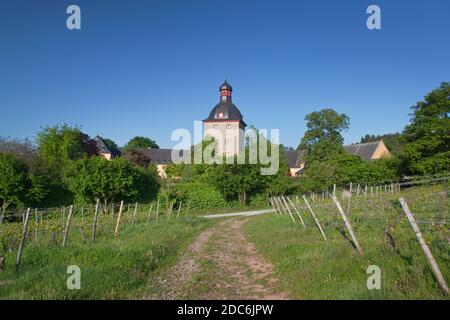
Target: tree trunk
(2, 263)
(242, 198)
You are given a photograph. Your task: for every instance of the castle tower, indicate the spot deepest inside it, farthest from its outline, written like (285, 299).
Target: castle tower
(225, 123)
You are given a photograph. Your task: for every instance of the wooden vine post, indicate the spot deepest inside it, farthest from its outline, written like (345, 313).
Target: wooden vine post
(297, 211)
(24, 238)
(273, 206)
(315, 218)
(425, 248)
(179, 209)
(283, 210)
(80, 224)
(125, 216)
(276, 206)
(289, 210)
(63, 216)
(358, 190)
(134, 215)
(66, 229)
(348, 225)
(149, 213)
(157, 210)
(187, 208)
(350, 199)
(280, 204)
(36, 224)
(171, 209)
(116, 231)
(94, 226)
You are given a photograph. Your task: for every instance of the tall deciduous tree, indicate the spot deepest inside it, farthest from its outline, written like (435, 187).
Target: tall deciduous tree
(141, 143)
(236, 180)
(323, 137)
(244, 180)
(59, 144)
(427, 137)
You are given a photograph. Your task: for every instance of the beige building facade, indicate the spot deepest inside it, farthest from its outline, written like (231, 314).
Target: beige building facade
(228, 134)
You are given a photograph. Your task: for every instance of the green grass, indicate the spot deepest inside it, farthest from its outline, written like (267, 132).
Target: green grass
(110, 268)
(312, 268)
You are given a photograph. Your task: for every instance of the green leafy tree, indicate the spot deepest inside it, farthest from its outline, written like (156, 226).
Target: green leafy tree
(243, 181)
(96, 178)
(236, 180)
(323, 138)
(141, 143)
(59, 144)
(327, 163)
(380, 171)
(345, 169)
(13, 180)
(427, 137)
(38, 189)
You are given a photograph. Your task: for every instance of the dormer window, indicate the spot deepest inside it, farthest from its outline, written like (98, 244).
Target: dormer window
(220, 115)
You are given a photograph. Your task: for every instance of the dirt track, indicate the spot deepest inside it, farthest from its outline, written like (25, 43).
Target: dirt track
(219, 264)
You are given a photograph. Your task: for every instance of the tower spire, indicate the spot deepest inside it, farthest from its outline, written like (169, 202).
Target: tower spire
(225, 92)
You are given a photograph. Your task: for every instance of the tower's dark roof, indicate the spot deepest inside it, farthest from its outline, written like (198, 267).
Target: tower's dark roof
(225, 86)
(230, 112)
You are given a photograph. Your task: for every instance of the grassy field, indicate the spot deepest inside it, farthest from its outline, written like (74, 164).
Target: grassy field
(110, 268)
(306, 266)
(312, 268)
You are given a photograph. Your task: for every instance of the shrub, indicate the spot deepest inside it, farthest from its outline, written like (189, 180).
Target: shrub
(96, 178)
(13, 180)
(341, 170)
(258, 200)
(436, 164)
(201, 196)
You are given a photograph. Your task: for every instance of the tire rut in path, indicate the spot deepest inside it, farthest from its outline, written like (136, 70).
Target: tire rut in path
(220, 264)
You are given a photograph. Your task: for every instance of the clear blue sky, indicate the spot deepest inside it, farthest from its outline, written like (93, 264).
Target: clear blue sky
(148, 67)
